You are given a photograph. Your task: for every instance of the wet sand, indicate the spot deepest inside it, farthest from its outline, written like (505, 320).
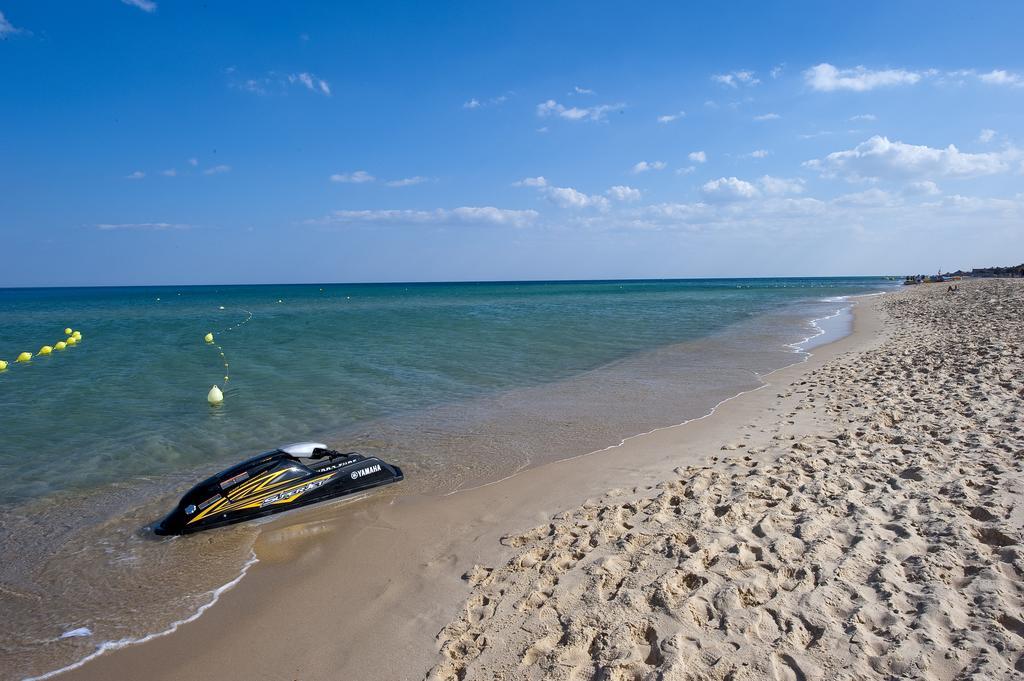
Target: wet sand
(818, 527)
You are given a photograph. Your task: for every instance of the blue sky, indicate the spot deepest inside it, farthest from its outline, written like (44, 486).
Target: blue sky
(179, 142)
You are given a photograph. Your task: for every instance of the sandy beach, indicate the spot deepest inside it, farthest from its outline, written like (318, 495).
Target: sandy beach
(857, 517)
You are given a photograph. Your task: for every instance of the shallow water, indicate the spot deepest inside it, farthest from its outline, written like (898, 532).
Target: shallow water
(458, 383)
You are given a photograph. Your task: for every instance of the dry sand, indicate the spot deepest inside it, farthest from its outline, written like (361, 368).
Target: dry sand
(859, 517)
(887, 545)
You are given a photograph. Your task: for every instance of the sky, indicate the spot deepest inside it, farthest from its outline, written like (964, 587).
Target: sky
(176, 142)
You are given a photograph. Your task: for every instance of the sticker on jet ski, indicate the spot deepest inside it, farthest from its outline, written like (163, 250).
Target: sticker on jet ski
(365, 471)
(336, 466)
(282, 497)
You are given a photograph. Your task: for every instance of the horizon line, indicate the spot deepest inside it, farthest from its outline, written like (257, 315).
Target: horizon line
(454, 281)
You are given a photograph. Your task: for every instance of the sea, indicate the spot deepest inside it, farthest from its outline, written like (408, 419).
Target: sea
(459, 383)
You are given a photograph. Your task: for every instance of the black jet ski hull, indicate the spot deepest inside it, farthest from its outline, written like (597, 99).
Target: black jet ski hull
(275, 482)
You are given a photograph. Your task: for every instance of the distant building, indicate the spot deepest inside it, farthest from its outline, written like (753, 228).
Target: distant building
(1011, 271)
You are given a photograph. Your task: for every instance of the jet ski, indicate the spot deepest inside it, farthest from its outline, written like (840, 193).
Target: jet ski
(280, 480)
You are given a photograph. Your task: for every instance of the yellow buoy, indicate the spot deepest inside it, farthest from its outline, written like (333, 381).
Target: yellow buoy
(3, 365)
(215, 396)
(60, 345)
(208, 338)
(68, 331)
(45, 350)
(24, 357)
(71, 340)
(77, 334)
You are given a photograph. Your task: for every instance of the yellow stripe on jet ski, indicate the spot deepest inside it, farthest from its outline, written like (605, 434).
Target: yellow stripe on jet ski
(256, 498)
(261, 480)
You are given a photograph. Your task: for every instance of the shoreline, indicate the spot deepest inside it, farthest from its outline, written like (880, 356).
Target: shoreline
(336, 535)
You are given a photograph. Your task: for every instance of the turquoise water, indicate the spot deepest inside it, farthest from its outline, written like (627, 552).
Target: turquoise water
(131, 399)
(460, 384)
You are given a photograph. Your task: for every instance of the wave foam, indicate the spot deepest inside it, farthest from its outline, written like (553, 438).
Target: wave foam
(107, 646)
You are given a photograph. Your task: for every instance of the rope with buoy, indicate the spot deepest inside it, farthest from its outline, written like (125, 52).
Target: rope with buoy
(73, 338)
(216, 395)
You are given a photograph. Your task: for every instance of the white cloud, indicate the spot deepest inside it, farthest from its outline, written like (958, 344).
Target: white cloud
(827, 78)
(697, 156)
(538, 181)
(864, 117)
(7, 28)
(767, 117)
(475, 103)
(729, 189)
(257, 86)
(357, 177)
(873, 197)
(677, 211)
(144, 5)
(624, 193)
(878, 157)
(736, 78)
(776, 186)
(567, 197)
(277, 83)
(758, 153)
(644, 166)
(922, 188)
(868, 214)
(735, 189)
(685, 171)
(762, 215)
(777, 71)
(440, 216)
(193, 162)
(311, 82)
(217, 170)
(137, 175)
(577, 90)
(141, 226)
(494, 216)
(592, 113)
(170, 172)
(668, 118)
(1000, 77)
(957, 77)
(765, 206)
(812, 135)
(986, 135)
(408, 181)
(974, 206)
